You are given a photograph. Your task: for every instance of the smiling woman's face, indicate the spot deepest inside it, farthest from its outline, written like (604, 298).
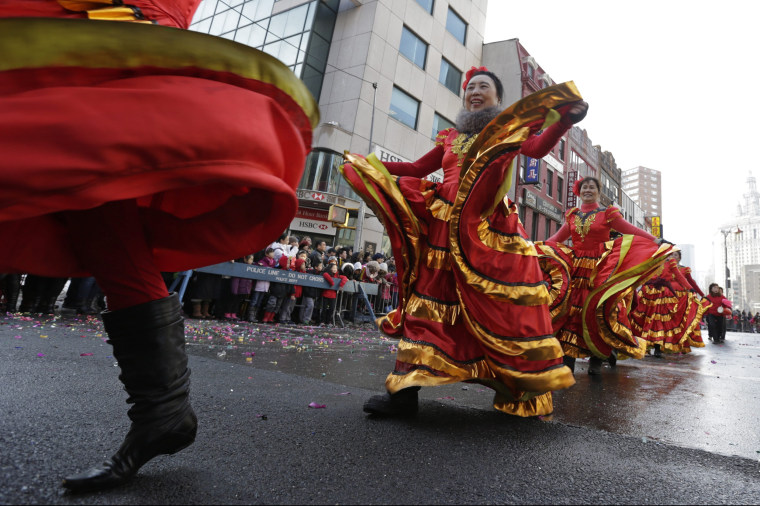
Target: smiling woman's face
(480, 93)
(589, 192)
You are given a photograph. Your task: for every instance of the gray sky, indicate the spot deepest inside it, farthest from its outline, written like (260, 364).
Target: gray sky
(671, 86)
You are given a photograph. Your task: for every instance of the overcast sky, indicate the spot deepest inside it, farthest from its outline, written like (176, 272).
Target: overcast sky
(672, 85)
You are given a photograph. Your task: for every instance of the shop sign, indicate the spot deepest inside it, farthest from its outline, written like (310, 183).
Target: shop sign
(314, 226)
(385, 155)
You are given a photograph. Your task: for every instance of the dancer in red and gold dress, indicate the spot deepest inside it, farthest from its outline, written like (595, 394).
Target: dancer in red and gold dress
(131, 148)
(668, 312)
(591, 314)
(473, 300)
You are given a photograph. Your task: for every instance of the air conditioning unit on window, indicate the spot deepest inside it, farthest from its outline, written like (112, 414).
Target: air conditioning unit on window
(531, 61)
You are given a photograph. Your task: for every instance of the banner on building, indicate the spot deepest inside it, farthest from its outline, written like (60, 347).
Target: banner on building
(314, 221)
(656, 226)
(532, 170)
(572, 176)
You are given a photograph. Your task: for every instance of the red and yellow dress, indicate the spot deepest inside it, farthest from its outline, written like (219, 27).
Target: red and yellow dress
(203, 133)
(591, 312)
(668, 313)
(473, 302)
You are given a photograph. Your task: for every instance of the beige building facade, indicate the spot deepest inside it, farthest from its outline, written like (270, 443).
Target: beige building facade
(387, 75)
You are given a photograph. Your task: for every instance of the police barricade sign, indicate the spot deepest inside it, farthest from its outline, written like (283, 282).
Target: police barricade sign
(240, 270)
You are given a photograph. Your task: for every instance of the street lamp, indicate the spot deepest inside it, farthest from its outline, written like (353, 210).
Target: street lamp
(725, 233)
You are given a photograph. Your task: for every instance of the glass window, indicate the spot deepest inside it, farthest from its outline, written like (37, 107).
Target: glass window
(547, 228)
(413, 47)
(427, 5)
(530, 72)
(450, 76)
(404, 108)
(562, 149)
(456, 26)
(534, 226)
(440, 123)
(549, 182)
(252, 35)
(295, 21)
(560, 188)
(256, 10)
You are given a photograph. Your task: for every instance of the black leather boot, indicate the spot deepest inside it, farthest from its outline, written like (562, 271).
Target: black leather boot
(402, 403)
(595, 366)
(612, 359)
(13, 287)
(149, 343)
(30, 294)
(570, 362)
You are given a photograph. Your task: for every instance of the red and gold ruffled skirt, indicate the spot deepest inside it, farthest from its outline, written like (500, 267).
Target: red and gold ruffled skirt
(207, 135)
(668, 318)
(476, 309)
(590, 312)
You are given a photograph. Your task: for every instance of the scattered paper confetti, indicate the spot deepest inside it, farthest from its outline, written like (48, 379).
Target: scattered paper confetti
(85, 354)
(314, 405)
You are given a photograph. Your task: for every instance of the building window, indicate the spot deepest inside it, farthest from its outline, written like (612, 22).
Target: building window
(456, 26)
(322, 173)
(404, 108)
(548, 231)
(450, 76)
(440, 123)
(561, 150)
(413, 47)
(549, 182)
(560, 188)
(534, 226)
(427, 5)
(530, 72)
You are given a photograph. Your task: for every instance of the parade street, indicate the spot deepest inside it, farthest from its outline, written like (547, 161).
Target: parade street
(281, 421)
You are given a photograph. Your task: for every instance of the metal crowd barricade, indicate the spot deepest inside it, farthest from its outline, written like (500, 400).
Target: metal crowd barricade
(355, 302)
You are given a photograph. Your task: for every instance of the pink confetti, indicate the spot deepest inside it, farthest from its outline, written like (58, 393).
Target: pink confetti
(345, 393)
(314, 405)
(713, 362)
(85, 354)
(40, 354)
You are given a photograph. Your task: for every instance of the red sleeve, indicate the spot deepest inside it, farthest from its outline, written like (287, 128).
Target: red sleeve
(563, 234)
(680, 277)
(618, 223)
(328, 278)
(343, 280)
(693, 284)
(538, 146)
(428, 164)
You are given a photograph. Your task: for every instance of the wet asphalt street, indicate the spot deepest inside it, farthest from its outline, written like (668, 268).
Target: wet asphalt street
(678, 430)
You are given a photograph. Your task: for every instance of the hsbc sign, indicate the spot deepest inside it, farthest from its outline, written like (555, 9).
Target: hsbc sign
(315, 226)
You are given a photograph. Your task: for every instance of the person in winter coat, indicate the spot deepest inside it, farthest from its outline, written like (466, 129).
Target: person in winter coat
(241, 288)
(262, 287)
(310, 296)
(716, 314)
(278, 293)
(299, 265)
(329, 295)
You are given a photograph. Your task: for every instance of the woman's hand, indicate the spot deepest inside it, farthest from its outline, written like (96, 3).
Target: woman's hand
(577, 111)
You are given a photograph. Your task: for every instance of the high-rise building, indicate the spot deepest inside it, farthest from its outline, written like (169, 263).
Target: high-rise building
(387, 75)
(644, 186)
(736, 252)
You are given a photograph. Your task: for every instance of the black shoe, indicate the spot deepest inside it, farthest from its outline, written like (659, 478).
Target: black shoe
(612, 359)
(402, 403)
(595, 366)
(149, 344)
(657, 351)
(570, 362)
